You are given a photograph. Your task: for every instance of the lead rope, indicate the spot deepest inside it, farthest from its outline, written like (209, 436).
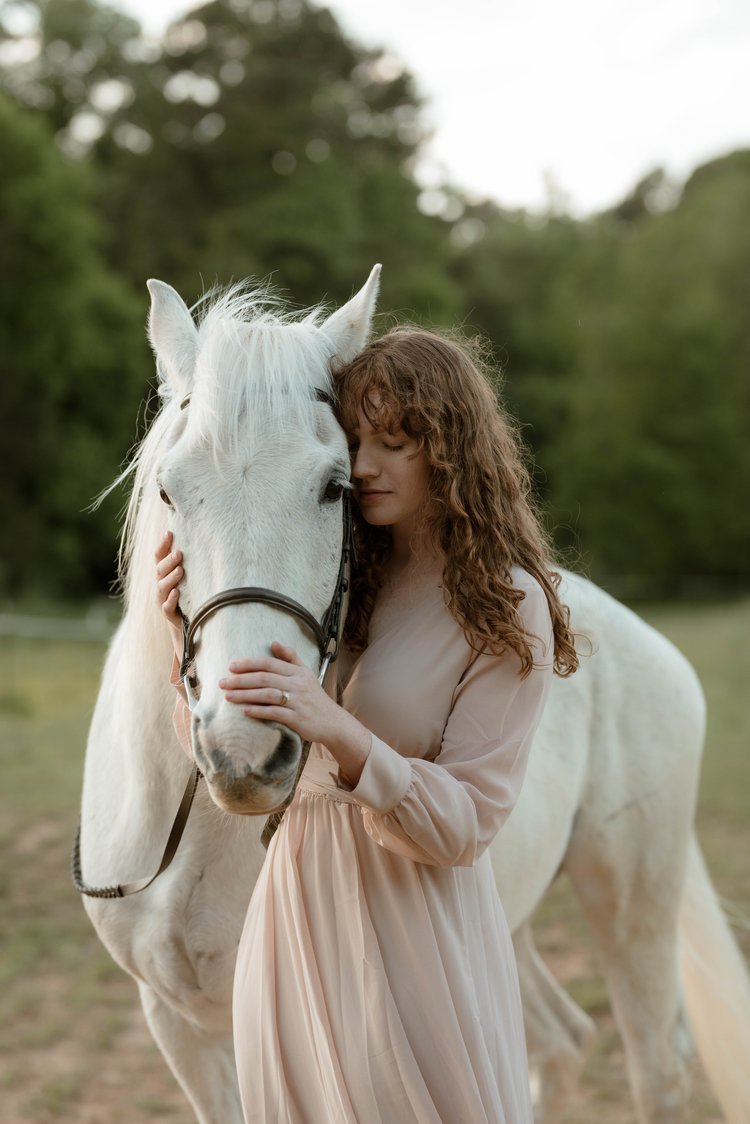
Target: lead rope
(332, 626)
(125, 889)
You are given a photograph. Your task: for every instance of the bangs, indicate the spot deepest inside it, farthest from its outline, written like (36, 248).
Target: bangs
(365, 388)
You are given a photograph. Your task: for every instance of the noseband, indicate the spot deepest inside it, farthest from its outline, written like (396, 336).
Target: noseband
(327, 635)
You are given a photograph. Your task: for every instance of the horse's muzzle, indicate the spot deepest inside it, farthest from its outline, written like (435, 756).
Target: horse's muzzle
(247, 787)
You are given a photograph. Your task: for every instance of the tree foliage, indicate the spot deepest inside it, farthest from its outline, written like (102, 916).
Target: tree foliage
(71, 344)
(255, 138)
(655, 452)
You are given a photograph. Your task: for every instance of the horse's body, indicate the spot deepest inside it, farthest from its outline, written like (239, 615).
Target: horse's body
(609, 796)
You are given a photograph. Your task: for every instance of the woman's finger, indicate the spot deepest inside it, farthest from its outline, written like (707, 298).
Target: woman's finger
(164, 547)
(167, 583)
(168, 601)
(263, 663)
(168, 563)
(286, 653)
(256, 681)
(261, 696)
(169, 605)
(280, 714)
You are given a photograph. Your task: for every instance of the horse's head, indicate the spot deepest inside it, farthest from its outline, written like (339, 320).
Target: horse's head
(248, 468)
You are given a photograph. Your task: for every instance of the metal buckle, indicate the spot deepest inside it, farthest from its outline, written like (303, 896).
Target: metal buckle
(189, 688)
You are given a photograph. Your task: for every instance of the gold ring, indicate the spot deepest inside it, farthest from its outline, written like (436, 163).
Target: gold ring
(285, 697)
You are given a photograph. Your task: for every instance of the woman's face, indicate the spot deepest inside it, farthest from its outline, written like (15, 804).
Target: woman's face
(390, 474)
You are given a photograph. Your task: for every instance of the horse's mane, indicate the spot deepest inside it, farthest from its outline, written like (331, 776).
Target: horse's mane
(243, 333)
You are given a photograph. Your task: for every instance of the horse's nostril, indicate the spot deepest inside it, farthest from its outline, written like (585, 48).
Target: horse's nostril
(207, 716)
(284, 756)
(221, 764)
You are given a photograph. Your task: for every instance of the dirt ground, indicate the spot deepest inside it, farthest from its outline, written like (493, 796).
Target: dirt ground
(75, 1080)
(79, 1049)
(74, 1046)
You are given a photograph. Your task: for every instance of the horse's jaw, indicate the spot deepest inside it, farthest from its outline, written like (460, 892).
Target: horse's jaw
(249, 766)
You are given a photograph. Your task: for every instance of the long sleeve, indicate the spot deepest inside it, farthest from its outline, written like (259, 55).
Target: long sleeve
(446, 811)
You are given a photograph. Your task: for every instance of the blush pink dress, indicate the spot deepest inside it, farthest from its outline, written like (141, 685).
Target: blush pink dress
(376, 981)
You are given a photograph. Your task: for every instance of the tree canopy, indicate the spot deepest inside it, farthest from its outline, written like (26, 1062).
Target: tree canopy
(255, 138)
(71, 338)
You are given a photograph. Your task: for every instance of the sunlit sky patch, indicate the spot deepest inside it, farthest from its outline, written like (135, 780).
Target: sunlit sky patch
(535, 101)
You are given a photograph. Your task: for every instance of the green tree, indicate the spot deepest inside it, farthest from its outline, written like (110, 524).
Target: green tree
(74, 361)
(256, 139)
(263, 141)
(69, 59)
(655, 455)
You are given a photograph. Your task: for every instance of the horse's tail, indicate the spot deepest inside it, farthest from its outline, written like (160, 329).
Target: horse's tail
(717, 990)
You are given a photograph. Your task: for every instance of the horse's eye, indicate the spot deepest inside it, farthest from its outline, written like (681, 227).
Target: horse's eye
(334, 491)
(164, 497)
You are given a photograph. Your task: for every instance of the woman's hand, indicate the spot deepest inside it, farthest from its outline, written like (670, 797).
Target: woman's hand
(283, 689)
(169, 573)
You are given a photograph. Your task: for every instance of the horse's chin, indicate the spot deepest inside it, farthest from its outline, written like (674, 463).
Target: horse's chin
(248, 777)
(249, 797)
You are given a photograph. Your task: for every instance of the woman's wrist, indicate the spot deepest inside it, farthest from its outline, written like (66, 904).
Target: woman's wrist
(175, 632)
(349, 742)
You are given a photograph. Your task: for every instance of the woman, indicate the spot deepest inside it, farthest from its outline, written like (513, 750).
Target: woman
(375, 980)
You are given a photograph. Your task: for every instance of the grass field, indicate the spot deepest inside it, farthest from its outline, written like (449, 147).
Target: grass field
(73, 1045)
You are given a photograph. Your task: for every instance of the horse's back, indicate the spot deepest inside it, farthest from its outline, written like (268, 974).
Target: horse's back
(630, 721)
(647, 727)
(649, 706)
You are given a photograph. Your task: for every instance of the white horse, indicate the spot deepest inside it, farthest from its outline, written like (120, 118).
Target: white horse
(248, 476)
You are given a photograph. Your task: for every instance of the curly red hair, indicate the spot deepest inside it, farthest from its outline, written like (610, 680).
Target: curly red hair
(439, 391)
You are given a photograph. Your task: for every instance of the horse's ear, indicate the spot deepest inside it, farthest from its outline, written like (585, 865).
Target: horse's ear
(173, 336)
(349, 327)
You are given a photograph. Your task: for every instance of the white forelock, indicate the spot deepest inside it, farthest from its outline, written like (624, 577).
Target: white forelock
(256, 360)
(258, 363)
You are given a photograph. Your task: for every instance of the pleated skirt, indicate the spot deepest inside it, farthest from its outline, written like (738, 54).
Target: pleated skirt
(371, 989)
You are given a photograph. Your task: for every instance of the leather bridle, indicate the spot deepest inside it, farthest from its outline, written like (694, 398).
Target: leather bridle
(327, 635)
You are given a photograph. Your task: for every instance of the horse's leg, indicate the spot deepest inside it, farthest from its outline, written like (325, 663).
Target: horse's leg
(629, 884)
(559, 1034)
(203, 1063)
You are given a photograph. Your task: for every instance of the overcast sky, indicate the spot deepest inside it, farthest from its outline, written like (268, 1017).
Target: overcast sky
(587, 94)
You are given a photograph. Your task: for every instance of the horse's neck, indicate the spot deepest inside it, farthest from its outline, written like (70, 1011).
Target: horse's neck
(135, 770)
(145, 695)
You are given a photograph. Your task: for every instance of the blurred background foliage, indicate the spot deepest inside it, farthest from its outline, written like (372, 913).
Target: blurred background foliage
(254, 138)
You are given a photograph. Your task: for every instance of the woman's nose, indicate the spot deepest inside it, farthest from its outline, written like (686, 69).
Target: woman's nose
(363, 466)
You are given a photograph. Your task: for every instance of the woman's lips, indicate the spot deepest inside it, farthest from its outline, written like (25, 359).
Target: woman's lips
(371, 497)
